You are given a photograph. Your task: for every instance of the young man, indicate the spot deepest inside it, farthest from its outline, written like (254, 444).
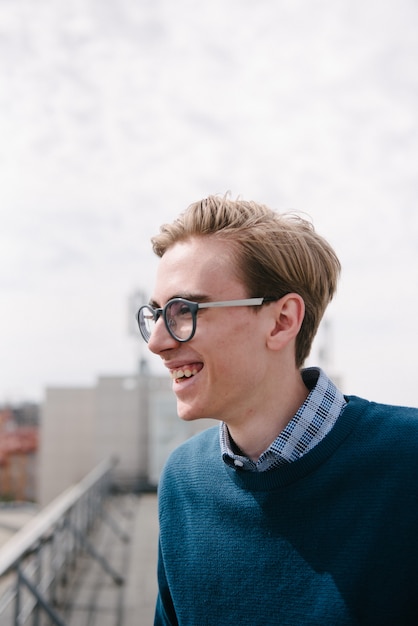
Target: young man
(301, 507)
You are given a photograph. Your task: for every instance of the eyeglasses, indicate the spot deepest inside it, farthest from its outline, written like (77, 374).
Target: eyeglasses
(180, 315)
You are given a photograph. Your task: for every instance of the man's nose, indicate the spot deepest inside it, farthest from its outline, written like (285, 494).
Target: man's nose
(161, 339)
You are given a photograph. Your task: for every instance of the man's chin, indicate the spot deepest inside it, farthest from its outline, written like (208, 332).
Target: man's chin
(186, 413)
(186, 416)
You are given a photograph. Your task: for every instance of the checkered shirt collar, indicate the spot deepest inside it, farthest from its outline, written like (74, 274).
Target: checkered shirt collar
(313, 420)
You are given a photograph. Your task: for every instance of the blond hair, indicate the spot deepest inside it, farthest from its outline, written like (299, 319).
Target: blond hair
(276, 254)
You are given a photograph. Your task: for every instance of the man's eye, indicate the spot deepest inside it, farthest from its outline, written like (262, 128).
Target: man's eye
(183, 310)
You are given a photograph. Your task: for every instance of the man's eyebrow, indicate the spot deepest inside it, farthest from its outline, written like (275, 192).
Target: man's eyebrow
(193, 297)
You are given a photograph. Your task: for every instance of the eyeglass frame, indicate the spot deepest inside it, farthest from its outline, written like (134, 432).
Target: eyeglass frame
(194, 307)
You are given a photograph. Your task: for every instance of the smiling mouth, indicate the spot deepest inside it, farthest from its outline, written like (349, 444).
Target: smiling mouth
(182, 374)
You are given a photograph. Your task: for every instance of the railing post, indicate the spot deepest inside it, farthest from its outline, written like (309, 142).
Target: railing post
(38, 580)
(18, 596)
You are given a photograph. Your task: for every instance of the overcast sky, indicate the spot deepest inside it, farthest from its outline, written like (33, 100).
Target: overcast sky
(117, 114)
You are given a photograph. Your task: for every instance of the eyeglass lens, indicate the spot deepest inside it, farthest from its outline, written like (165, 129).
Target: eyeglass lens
(146, 322)
(178, 317)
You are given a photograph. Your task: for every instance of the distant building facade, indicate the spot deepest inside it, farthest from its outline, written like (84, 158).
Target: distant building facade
(18, 452)
(132, 418)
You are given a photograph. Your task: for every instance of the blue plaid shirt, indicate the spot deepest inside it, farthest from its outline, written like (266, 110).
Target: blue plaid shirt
(313, 420)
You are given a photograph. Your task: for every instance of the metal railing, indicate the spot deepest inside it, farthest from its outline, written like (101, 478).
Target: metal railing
(36, 562)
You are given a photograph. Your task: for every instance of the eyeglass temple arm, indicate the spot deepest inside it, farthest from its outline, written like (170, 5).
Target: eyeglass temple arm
(247, 302)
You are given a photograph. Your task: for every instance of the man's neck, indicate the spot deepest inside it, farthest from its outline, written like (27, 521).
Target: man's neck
(254, 434)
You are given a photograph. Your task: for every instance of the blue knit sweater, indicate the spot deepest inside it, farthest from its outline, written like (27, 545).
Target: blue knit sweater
(329, 540)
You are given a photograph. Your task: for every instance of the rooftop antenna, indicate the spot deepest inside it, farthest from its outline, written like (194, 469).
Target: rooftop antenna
(137, 299)
(325, 345)
(326, 352)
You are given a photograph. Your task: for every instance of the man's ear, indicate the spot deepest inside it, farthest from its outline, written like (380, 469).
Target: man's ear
(289, 312)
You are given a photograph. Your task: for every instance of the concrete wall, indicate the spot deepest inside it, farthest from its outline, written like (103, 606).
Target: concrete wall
(132, 418)
(67, 432)
(121, 426)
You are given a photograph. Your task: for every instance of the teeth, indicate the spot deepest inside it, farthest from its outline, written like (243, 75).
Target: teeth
(186, 373)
